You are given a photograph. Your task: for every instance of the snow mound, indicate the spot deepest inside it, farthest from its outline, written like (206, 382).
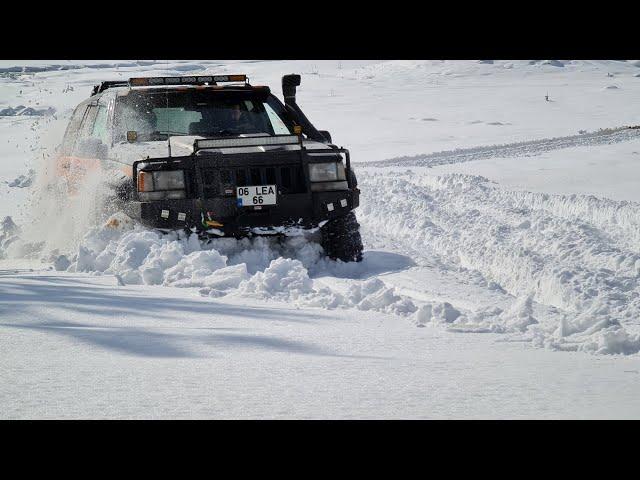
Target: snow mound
(592, 332)
(226, 279)
(259, 267)
(283, 279)
(373, 294)
(442, 312)
(520, 315)
(192, 269)
(569, 260)
(288, 280)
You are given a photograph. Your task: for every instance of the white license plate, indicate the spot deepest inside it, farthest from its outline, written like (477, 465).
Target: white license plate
(256, 196)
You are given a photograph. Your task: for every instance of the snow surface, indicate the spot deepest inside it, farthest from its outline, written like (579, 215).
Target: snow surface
(485, 209)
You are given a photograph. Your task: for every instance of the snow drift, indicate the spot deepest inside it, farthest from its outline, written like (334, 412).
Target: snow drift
(259, 267)
(576, 256)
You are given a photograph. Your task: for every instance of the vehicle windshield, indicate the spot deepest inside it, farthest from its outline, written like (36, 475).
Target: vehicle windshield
(157, 114)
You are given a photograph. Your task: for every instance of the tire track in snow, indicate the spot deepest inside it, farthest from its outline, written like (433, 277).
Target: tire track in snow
(530, 244)
(519, 149)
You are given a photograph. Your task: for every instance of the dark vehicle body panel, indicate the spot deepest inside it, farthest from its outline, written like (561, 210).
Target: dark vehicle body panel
(212, 179)
(294, 210)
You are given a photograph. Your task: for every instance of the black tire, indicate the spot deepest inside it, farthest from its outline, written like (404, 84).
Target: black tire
(341, 238)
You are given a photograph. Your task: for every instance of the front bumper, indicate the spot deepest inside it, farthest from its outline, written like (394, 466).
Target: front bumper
(221, 214)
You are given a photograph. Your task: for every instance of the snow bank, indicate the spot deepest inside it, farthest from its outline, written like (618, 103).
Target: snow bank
(575, 256)
(260, 267)
(593, 331)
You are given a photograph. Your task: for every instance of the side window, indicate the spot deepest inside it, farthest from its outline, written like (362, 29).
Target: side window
(100, 125)
(87, 124)
(73, 128)
(85, 128)
(279, 127)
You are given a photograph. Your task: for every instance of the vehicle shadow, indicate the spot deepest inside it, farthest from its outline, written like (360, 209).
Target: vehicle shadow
(65, 292)
(40, 303)
(373, 263)
(148, 342)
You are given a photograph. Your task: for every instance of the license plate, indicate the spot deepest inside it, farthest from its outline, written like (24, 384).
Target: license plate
(256, 195)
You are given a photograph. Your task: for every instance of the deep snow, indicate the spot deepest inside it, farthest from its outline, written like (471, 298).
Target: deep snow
(497, 213)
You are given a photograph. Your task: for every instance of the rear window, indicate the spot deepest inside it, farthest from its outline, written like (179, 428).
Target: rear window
(155, 115)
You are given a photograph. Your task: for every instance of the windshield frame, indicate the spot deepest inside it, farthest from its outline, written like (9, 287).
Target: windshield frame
(192, 97)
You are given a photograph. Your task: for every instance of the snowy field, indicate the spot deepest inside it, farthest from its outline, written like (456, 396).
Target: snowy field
(500, 277)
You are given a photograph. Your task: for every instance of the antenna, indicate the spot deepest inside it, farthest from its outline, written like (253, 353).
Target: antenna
(168, 116)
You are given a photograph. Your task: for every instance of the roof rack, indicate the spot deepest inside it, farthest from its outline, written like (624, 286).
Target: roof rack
(188, 80)
(104, 85)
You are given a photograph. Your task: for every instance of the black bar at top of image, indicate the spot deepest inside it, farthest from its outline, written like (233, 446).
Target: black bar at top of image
(325, 31)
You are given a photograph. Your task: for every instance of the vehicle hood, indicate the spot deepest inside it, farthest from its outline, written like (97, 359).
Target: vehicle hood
(182, 146)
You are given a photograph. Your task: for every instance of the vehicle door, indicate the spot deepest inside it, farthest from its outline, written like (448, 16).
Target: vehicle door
(91, 149)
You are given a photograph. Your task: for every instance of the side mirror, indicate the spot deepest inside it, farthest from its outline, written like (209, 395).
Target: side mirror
(92, 148)
(326, 135)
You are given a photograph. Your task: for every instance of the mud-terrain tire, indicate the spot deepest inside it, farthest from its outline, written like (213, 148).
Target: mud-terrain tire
(341, 238)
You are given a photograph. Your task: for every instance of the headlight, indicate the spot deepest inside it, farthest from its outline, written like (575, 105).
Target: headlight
(161, 180)
(326, 172)
(170, 180)
(161, 185)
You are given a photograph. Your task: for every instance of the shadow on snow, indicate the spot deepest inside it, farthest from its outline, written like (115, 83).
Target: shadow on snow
(161, 341)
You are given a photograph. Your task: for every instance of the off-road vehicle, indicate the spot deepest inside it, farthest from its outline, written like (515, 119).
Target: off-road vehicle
(215, 155)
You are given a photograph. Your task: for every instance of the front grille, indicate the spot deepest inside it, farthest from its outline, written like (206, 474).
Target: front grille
(210, 182)
(288, 179)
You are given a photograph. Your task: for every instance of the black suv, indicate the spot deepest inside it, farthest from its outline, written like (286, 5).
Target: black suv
(216, 155)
